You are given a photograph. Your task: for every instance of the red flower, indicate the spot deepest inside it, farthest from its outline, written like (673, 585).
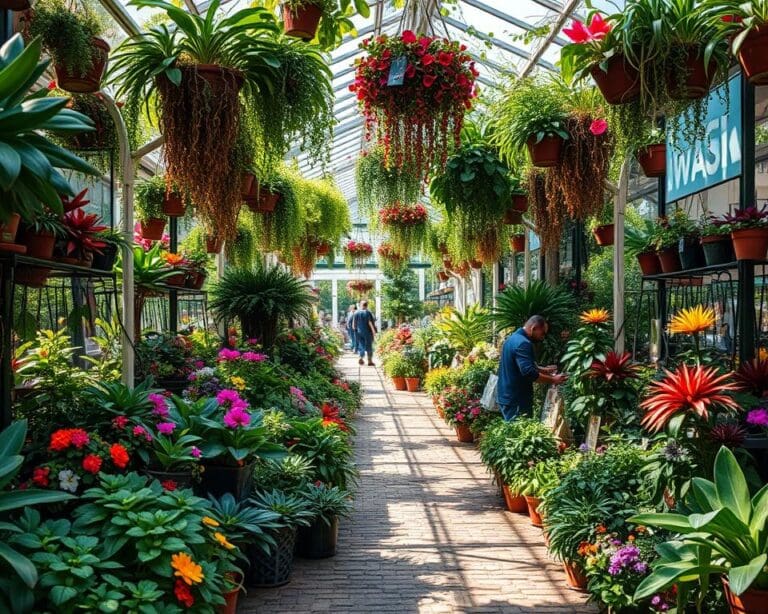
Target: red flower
(427, 59)
(598, 127)
(445, 58)
(169, 485)
(408, 37)
(752, 377)
(687, 390)
(40, 476)
(119, 455)
(92, 463)
(428, 80)
(79, 438)
(614, 367)
(120, 422)
(183, 593)
(410, 71)
(61, 440)
(580, 33)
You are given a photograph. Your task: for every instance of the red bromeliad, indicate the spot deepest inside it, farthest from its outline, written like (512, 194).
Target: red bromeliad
(752, 377)
(580, 33)
(613, 367)
(81, 230)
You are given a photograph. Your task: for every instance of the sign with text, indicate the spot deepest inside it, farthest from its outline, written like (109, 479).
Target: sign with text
(698, 166)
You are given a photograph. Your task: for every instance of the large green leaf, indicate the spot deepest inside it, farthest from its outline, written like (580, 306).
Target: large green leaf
(22, 498)
(721, 523)
(20, 564)
(10, 166)
(731, 485)
(741, 578)
(676, 523)
(14, 75)
(663, 577)
(12, 438)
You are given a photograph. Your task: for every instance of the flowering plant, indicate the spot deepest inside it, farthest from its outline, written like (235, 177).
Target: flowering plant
(360, 287)
(356, 253)
(593, 44)
(752, 217)
(459, 407)
(418, 120)
(407, 226)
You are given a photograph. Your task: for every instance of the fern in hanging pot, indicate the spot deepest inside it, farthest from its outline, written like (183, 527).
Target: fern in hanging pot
(406, 225)
(419, 120)
(357, 253)
(280, 229)
(378, 185)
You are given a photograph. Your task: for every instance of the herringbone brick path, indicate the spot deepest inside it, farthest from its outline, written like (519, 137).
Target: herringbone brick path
(429, 532)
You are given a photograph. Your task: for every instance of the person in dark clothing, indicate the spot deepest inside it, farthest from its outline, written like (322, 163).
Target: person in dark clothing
(365, 329)
(518, 370)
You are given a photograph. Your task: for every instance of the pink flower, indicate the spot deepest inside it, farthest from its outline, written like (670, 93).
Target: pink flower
(253, 357)
(598, 127)
(79, 438)
(580, 33)
(226, 354)
(199, 364)
(120, 422)
(599, 27)
(228, 396)
(165, 428)
(237, 417)
(408, 37)
(161, 405)
(195, 452)
(758, 417)
(138, 431)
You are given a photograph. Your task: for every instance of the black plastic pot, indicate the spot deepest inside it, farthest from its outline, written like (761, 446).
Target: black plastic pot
(691, 254)
(318, 540)
(718, 250)
(182, 479)
(175, 385)
(273, 569)
(218, 480)
(105, 261)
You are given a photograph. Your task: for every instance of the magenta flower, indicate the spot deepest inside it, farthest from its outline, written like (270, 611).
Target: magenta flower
(199, 364)
(160, 403)
(165, 428)
(225, 354)
(237, 417)
(758, 417)
(228, 396)
(598, 127)
(253, 357)
(195, 452)
(139, 431)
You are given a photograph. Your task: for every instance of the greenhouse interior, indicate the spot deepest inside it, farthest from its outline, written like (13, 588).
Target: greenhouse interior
(474, 318)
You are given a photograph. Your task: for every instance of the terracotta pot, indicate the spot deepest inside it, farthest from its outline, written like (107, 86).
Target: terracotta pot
(463, 434)
(90, 82)
(517, 243)
(718, 249)
(265, 202)
(213, 244)
(153, 228)
(246, 185)
(217, 76)
(177, 280)
(603, 235)
(14, 5)
(533, 511)
(653, 159)
(39, 244)
(31, 276)
(649, 263)
(412, 384)
(230, 597)
(196, 279)
(443, 276)
(574, 575)
(512, 217)
(302, 22)
(475, 264)
(619, 83)
(753, 56)
(694, 80)
(520, 203)
(441, 412)
(399, 383)
(173, 205)
(669, 259)
(8, 232)
(546, 152)
(750, 244)
(515, 503)
(751, 601)
(323, 249)
(447, 263)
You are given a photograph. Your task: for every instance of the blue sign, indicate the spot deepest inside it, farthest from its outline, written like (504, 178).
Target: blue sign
(397, 71)
(698, 166)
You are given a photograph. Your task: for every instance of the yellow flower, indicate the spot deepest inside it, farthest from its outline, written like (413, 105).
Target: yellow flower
(692, 320)
(595, 316)
(237, 382)
(207, 520)
(186, 568)
(223, 541)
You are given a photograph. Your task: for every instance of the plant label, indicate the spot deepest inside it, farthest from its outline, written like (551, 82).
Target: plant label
(397, 71)
(593, 431)
(488, 400)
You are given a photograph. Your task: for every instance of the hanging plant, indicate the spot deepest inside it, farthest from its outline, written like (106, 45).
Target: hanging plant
(378, 185)
(357, 253)
(360, 287)
(548, 215)
(280, 229)
(407, 226)
(418, 121)
(193, 73)
(390, 260)
(303, 257)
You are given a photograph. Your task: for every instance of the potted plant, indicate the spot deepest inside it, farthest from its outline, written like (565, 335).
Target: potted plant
(71, 38)
(148, 203)
(301, 19)
(460, 409)
(179, 269)
(274, 568)
(167, 358)
(721, 534)
(360, 287)
(197, 271)
(406, 225)
(517, 241)
(676, 239)
(651, 153)
(357, 253)
(638, 242)
(319, 539)
(82, 236)
(378, 184)
(494, 456)
(746, 23)
(41, 233)
(408, 118)
(601, 226)
(180, 68)
(716, 241)
(532, 117)
(113, 241)
(395, 367)
(533, 482)
(173, 454)
(390, 260)
(416, 366)
(749, 232)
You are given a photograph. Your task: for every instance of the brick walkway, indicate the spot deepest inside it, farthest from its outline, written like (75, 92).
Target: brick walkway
(429, 533)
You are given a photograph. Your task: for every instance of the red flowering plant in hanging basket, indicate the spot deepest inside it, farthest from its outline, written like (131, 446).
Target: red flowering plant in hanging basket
(359, 287)
(356, 253)
(420, 119)
(406, 225)
(389, 258)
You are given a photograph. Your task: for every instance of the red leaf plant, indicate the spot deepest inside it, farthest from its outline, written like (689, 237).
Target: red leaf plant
(752, 377)
(81, 232)
(689, 390)
(615, 367)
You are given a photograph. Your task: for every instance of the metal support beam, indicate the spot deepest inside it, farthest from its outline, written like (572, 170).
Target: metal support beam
(748, 327)
(556, 27)
(519, 23)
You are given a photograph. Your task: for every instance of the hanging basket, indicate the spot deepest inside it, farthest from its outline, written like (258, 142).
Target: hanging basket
(153, 228)
(90, 82)
(619, 83)
(517, 243)
(173, 205)
(546, 152)
(213, 244)
(302, 22)
(653, 160)
(695, 79)
(753, 56)
(603, 235)
(520, 203)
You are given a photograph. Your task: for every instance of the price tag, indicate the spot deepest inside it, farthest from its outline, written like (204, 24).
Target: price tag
(593, 432)
(397, 71)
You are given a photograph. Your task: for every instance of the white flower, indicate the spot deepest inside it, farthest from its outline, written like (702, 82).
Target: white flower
(68, 480)
(205, 372)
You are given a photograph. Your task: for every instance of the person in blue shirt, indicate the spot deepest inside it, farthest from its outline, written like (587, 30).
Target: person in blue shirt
(518, 370)
(365, 329)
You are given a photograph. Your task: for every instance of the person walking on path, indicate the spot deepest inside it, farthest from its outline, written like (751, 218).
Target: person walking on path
(351, 327)
(518, 370)
(364, 325)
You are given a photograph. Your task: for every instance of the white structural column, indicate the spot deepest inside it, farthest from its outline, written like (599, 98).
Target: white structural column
(378, 303)
(527, 259)
(422, 274)
(476, 278)
(335, 301)
(495, 283)
(459, 294)
(619, 208)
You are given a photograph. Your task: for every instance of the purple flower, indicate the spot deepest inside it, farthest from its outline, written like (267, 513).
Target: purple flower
(583, 448)
(758, 417)
(165, 428)
(656, 600)
(237, 417)
(195, 452)
(227, 354)
(641, 567)
(160, 403)
(623, 558)
(199, 364)
(253, 357)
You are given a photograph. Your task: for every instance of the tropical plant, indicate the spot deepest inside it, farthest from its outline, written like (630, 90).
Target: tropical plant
(29, 180)
(262, 299)
(739, 19)
(149, 196)
(335, 20)
(744, 219)
(379, 185)
(327, 447)
(179, 71)
(289, 510)
(395, 365)
(243, 523)
(327, 502)
(510, 447)
(465, 330)
(722, 532)
(639, 239)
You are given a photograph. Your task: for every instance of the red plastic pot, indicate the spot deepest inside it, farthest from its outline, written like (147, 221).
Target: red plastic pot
(751, 601)
(153, 228)
(512, 217)
(669, 259)
(520, 203)
(517, 243)
(533, 511)
(463, 434)
(90, 82)
(750, 243)
(195, 280)
(619, 83)
(213, 244)
(173, 205)
(177, 280)
(515, 503)
(653, 160)
(575, 576)
(603, 235)
(412, 384)
(399, 383)
(753, 56)
(649, 263)
(302, 22)
(31, 276)
(694, 80)
(546, 152)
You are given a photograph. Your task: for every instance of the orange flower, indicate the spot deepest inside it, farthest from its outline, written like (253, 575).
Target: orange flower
(223, 541)
(186, 568)
(601, 529)
(692, 321)
(173, 259)
(595, 316)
